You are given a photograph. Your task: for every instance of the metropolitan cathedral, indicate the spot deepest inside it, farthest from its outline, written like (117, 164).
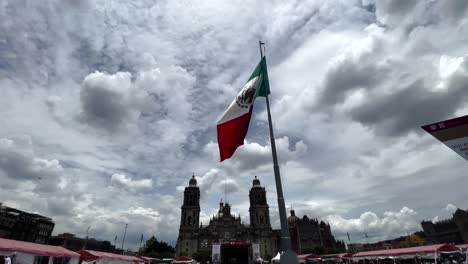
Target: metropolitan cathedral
(195, 238)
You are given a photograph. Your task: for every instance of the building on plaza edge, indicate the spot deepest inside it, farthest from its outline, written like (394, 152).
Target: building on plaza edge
(309, 233)
(453, 230)
(197, 239)
(74, 243)
(19, 225)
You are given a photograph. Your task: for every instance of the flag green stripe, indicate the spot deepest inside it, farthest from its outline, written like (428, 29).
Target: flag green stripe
(257, 71)
(264, 86)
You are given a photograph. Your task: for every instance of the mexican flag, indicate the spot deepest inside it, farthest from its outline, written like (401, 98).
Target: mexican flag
(234, 124)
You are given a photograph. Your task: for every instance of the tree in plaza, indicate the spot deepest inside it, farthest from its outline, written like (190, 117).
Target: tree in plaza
(156, 249)
(332, 251)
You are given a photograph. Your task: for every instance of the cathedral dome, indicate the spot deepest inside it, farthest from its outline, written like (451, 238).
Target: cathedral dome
(193, 181)
(256, 182)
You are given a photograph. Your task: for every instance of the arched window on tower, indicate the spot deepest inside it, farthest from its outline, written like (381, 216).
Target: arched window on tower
(261, 219)
(189, 222)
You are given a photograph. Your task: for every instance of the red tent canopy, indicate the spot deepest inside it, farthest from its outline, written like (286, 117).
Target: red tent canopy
(346, 255)
(409, 251)
(183, 259)
(308, 256)
(338, 256)
(91, 255)
(464, 246)
(147, 259)
(36, 249)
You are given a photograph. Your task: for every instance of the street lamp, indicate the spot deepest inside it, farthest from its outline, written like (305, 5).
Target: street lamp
(86, 239)
(123, 240)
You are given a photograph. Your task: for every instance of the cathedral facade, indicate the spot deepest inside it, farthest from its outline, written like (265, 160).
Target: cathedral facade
(195, 238)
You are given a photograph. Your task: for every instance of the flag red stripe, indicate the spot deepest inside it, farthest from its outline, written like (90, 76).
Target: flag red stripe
(231, 134)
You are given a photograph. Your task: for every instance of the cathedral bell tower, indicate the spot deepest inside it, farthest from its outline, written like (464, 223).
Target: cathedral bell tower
(259, 213)
(190, 214)
(187, 242)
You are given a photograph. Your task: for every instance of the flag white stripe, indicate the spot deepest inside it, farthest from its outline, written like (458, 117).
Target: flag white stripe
(234, 110)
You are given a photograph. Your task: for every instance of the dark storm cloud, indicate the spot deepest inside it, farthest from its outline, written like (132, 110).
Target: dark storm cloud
(104, 99)
(395, 6)
(60, 207)
(303, 20)
(412, 14)
(412, 106)
(20, 164)
(415, 188)
(349, 75)
(454, 9)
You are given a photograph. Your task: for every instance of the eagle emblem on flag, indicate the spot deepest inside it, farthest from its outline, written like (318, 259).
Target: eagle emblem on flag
(247, 95)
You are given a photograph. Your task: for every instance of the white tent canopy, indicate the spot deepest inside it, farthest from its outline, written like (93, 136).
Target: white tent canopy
(276, 259)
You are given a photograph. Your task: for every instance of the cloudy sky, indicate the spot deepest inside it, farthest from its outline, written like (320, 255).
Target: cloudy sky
(107, 108)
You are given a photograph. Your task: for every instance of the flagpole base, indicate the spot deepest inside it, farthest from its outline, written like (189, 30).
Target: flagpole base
(289, 257)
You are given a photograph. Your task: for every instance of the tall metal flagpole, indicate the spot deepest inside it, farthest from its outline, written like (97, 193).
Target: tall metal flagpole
(288, 256)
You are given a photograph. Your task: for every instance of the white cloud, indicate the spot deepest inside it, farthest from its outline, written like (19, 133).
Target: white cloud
(252, 155)
(451, 208)
(206, 182)
(128, 184)
(147, 212)
(229, 186)
(390, 225)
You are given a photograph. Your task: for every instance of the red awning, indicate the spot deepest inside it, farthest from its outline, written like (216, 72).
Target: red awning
(409, 251)
(183, 259)
(346, 255)
(35, 249)
(337, 256)
(147, 259)
(91, 255)
(308, 256)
